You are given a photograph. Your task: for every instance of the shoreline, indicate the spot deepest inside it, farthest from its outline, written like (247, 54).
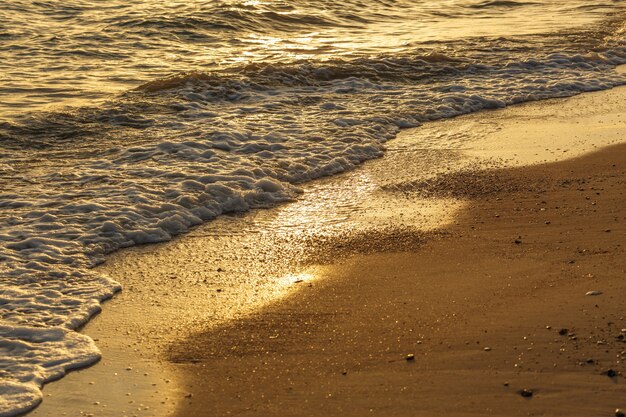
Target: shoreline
(137, 309)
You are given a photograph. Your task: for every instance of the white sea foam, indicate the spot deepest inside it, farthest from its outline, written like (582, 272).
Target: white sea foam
(56, 350)
(156, 162)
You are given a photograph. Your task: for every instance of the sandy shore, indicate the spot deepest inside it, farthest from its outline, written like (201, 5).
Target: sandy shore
(470, 246)
(482, 310)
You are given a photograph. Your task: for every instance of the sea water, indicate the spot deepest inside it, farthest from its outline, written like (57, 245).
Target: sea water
(123, 123)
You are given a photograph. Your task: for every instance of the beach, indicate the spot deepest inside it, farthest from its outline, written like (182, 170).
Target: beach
(196, 170)
(430, 291)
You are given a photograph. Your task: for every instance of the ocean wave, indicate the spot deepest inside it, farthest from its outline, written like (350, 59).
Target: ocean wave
(88, 50)
(388, 68)
(240, 17)
(501, 3)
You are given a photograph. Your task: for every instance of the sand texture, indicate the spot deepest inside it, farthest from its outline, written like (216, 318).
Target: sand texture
(497, 306)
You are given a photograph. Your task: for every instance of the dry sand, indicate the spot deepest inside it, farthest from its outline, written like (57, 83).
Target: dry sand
(468, 246)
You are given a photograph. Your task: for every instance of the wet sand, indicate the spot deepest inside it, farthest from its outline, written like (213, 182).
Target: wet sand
(470, 245)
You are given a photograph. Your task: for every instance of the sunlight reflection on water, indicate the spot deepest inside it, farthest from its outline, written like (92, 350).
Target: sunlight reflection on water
(81, 52)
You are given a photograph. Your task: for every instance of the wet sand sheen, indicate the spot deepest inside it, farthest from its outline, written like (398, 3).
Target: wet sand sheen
(274, 356)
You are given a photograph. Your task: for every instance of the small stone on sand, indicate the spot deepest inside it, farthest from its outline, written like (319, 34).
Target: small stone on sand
(410, 357)
(593, 293)
(619, 413)
(526, 393)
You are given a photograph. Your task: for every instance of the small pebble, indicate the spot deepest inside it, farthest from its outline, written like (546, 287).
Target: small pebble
(526, 393)
(593, 293)
(563, 332)
(410, 357)
(619, 413)
(487, 349)
(611, 373)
